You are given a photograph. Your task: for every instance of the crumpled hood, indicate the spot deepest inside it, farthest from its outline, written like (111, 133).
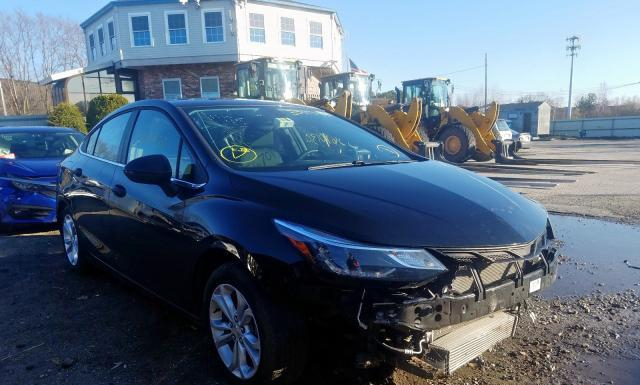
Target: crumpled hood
(30, 168)
(414, 204)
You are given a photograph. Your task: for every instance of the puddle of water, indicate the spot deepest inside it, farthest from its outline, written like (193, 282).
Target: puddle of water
(596, 252)
(619, 371)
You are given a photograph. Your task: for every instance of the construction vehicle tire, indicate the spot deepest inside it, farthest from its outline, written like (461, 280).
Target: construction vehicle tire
(380, 130)
(458, 143)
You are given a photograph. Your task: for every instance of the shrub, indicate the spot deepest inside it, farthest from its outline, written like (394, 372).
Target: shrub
(67, 115)
(103, 105)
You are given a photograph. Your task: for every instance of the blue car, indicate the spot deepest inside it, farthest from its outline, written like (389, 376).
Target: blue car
(29, 161)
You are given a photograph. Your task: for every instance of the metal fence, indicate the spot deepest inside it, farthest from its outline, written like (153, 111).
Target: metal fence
(24, 120)
(620, 127)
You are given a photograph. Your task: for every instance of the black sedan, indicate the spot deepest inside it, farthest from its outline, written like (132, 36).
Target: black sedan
(262, 218)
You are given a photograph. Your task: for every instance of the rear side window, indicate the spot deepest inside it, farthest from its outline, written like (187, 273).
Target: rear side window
(110, 136)
(91, 142)
(154, 134)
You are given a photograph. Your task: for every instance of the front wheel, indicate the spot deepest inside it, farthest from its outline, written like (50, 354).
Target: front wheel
(256, 340)
(458, 143)
(69, 230)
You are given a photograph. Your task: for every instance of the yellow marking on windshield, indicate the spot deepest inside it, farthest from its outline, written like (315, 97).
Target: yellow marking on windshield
(238, 154)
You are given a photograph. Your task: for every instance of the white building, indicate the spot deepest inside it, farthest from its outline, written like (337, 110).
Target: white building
(166, 49)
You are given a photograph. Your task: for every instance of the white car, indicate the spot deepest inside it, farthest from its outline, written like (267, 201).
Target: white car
(502, 131)
(522, 138)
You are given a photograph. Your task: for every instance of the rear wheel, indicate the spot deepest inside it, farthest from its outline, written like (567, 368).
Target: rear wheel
(458, 143)
(256, 340)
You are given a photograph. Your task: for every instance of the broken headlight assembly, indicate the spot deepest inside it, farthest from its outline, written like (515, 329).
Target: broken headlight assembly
(332, 254)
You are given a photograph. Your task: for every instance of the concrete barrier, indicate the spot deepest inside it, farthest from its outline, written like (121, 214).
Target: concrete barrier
(618, 127)
(24, 120)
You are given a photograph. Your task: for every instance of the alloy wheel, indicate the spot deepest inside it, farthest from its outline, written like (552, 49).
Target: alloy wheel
(235, 331)
(70, 237)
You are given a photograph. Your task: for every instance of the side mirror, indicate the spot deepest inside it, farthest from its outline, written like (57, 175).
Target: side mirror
(151, 169)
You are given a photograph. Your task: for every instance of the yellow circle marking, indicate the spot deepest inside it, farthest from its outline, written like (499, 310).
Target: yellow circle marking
(238, 154)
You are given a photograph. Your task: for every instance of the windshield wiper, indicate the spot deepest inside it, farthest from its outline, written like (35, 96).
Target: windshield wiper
(386, 162)
(357, 163)
(335, 165)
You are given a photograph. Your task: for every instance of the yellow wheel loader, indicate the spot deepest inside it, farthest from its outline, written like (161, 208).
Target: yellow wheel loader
(464, 133)
(349, 94)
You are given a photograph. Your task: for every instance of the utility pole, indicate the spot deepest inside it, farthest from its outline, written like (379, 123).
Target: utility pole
(485, 81)
(573, 49)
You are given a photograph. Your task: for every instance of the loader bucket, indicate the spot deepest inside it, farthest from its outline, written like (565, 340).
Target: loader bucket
(378, 114)
(504, 150)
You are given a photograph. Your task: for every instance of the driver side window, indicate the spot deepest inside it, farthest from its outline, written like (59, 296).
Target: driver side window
(155, 134)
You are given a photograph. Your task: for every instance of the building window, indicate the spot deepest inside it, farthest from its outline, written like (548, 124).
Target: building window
(140, 30)
(287, 31)
(112, 35)
(210, 87)
(172, 88)
(315, 35)
(177, 32)
(101, 41)
(213, 27)
(92, 47)
(256, 30)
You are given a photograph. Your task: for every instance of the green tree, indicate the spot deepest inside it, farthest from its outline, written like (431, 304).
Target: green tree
(587, 104)
(103, 105)
(67, 115)
(389, 95)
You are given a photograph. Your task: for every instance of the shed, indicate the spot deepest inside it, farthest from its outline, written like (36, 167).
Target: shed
(532, 117)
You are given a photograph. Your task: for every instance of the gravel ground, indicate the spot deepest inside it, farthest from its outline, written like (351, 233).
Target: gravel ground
(594, 178)
(60, 327)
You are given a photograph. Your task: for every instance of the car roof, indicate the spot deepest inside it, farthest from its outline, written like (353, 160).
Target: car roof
(186, 103)
(44, 129)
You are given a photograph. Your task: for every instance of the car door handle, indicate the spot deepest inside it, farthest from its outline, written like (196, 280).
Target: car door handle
(77, 172)
(119, 190)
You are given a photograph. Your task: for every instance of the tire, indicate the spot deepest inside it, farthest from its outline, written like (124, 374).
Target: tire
(280, 332)
(458, 143)
(78, 260)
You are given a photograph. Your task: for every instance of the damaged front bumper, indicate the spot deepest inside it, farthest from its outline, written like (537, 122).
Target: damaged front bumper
(27, 201)
(406, 320)
(438, 311)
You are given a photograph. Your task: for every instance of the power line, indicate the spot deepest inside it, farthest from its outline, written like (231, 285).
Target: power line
(463, 70)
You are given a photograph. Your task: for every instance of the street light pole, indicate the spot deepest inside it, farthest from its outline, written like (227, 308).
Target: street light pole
(573, 52)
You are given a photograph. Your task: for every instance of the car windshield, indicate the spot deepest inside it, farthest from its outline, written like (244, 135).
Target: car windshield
(289, 137)
(502, 125)
(38, 144)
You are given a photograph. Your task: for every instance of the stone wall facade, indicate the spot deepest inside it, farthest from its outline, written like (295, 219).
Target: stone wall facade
(150, 79)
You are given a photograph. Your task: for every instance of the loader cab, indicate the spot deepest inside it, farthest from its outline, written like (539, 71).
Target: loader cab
(359, 84)
(268, 79)
(435, 94)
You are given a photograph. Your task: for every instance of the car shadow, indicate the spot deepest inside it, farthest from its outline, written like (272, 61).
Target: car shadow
(58, 326)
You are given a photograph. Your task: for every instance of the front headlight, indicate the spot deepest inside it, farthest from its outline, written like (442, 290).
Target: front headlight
(342, 257)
